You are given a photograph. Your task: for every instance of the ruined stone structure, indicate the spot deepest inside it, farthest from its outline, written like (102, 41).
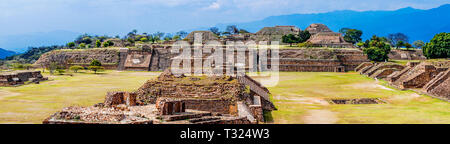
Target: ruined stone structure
(148, 57)
(427, 77)
(20, 77)
(406, 55)
(159, 58)
(108, 57)
(206, 36)
(317, 28)
(439, 86)
(320, 60)
(274, 33)
(177, 100)
(329, 39)
(322, 36)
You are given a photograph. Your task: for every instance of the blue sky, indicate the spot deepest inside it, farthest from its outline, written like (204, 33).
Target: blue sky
(120, 16)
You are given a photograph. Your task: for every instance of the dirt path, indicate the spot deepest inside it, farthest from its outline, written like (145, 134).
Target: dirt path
(320, 117)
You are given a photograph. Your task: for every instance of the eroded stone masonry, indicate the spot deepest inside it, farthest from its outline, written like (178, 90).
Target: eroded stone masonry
(426, 77)
(158, 57)
(177, 100)
(16, 78)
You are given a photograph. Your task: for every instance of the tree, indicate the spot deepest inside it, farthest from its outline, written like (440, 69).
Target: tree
(290, 39)
(71, 44)
(215, 30)
(243, 31)
(134, 31)
(98, 43)
(407, 45)
(95, 63)
(352, 35)
(108, 43)
(176, 37)
(232, 29)
(399, 44)
(76, 68)
(82, 46)
(144, 39)
(418, 44)
(96, 68)
(360, 44)
(396, 37)
(303, 36)
(182, 34)
(377, 49)
(438, 47)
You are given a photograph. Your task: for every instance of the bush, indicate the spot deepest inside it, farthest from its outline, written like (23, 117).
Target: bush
(76, 68)
(376, 54)
(70, 44)
(98, 43)
(305, 44)
(96, 68)
(438, 47)
(108, 43)
(95, 63)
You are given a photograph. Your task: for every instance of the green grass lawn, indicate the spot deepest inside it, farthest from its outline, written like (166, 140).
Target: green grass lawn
(34, 102)
(300, 98)
(299, 93)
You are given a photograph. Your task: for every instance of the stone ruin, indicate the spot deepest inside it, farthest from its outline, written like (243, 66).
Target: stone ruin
(206, 36)
(406, 55)
(157, 57)
(274, 33)
(317, 28)
(16, 78)
(177, 100)
(329, 39)
(431, 78)
(322, 36)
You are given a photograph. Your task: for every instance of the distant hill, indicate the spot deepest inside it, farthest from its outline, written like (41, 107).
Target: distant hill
(417, 24)
(20, 43)
(5, 53)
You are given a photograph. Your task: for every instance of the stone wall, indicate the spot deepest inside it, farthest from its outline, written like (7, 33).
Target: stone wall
(118, 98)
(439, 86)
(79, 57)
(20, 77)
(432, 77)
(406, 55)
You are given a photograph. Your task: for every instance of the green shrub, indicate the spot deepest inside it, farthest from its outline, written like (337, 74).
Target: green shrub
(305, 44)
(76, 68)
(438, 47)
(95, 69)
(95, 63)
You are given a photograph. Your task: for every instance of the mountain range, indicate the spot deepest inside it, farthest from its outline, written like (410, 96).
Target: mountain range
(5, 53)
(418, 24)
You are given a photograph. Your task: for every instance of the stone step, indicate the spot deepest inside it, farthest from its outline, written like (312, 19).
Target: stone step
(184, 116)
(203, 119)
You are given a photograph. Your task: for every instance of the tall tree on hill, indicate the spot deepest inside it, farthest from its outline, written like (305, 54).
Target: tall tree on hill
(215, 30)
(396, 37)
(243, 31)
(303, 36)
(290, 39)
(351, 35)
(438, 47)
(418, 44)
(377, 49)
(232, 29)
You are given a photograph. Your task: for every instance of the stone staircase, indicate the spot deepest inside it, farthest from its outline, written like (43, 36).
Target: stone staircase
(438, 79)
